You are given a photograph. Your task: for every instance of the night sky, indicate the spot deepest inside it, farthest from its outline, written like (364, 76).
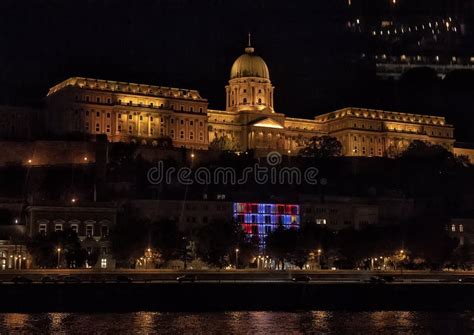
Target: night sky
(314, 62)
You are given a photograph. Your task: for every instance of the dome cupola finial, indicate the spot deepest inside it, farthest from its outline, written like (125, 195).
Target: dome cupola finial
(249, 49)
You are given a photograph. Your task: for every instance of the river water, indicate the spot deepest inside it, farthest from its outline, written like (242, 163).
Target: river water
(314, 322)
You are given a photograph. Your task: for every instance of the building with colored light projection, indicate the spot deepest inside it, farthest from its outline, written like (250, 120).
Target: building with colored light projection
(259, 219)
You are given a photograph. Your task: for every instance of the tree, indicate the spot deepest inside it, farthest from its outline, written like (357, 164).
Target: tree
(130, 237)
(423, 150)
(322, 147)
(43, 249)
(224, 143)
(216, 240)
(165, 142)
(282, 243)
(167, 239)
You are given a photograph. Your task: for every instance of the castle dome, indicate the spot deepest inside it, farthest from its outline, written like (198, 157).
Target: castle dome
(249, 65)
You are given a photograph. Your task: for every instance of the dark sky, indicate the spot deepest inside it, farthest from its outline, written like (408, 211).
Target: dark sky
(192, 44)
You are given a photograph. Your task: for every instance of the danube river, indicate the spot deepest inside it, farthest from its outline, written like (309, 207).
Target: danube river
(315, 322)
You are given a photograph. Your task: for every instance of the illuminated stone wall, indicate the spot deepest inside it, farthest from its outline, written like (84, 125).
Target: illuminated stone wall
(41, 153)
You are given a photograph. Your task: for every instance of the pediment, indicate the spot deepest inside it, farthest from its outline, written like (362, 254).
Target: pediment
(266, 123)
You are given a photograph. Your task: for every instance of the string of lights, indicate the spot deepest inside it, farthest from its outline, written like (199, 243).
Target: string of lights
(435, 27)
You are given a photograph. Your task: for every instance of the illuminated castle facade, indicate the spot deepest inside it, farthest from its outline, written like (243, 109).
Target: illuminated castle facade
(145, 113)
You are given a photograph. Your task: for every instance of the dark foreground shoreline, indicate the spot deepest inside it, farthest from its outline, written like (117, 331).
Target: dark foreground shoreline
(202, 296)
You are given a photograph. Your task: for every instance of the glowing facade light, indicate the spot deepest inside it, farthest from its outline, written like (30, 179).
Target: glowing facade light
(259, 219)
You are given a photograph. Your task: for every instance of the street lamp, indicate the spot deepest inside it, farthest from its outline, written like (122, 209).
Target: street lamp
(236, 258)
(73, 200)
(319, 258)
(59, 256)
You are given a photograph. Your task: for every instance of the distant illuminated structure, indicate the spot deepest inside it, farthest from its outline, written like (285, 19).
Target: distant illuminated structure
(405, 35)
(258, 219)
(144, 114)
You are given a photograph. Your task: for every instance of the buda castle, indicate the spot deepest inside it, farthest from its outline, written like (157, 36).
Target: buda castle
(144, 113)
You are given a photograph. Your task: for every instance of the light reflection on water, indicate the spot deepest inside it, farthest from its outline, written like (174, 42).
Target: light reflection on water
(327, 322)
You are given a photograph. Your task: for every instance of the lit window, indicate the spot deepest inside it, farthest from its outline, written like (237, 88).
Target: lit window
(453, 227)
(103, 263)
(321, 221)
(89, 230)
(461, 228)
(42, 228)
